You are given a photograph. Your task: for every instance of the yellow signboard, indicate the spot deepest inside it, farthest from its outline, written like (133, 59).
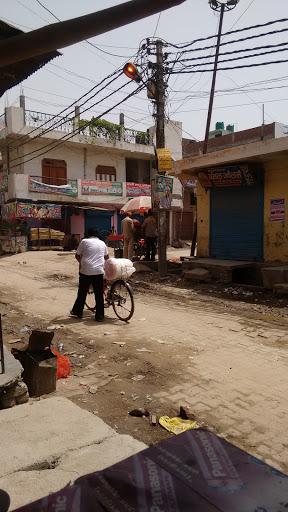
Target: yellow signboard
(164, 160)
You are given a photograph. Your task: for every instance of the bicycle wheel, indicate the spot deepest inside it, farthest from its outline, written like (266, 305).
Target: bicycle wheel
(122, 300)
(90, 300)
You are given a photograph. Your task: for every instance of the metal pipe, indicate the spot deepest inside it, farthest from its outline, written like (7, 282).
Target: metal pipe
(65, 33)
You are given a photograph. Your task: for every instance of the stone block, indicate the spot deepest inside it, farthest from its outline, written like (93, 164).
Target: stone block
(6, 403)
(281, 289)
(14, 391)
(274, 275)
(198, 275)
(22, 399)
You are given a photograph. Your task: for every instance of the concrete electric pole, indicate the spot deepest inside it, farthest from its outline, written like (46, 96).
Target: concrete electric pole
(160, 143)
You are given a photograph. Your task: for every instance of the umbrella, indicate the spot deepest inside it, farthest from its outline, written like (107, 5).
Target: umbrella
(138, 204)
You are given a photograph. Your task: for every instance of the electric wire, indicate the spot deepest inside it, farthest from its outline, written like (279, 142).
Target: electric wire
(230, 68)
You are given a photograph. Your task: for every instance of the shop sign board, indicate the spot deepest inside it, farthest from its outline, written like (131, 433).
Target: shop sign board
(109, 188)
(4, 181)
(70, 189)
(8, 211)
(189, 183)
(8, 244)
(277, 209)
(138, 189)
(38, 211)
(163, 192)
(232, 176)
(164, 160)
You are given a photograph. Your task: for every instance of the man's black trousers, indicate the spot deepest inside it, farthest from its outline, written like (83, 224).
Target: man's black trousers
(150, 248)
(84, 284)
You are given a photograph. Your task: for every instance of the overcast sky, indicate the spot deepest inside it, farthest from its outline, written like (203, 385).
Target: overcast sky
(56, 85)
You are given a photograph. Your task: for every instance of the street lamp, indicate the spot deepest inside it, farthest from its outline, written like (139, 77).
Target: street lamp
(229, 5)
(221, 7)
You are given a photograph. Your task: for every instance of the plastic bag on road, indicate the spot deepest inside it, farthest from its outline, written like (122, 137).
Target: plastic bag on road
(63, 365)
(176, 425)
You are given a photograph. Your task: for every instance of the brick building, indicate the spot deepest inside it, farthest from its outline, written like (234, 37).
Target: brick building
(222, 139)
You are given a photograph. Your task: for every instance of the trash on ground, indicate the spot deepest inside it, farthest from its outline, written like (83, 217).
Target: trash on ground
(81, 356)
(14, 341)
(185, 414)
(143, 350)
(134, 397)
(93, 390)
(63, 365)
(61, 346)
(139, 413)
(85, 387)
(238, 291)
(138, 377)
(121, 343)
(24, 329)
(107, 333)
(176, 425)
(142, 319)
(82, 383)
(153, 420)
(122, 392)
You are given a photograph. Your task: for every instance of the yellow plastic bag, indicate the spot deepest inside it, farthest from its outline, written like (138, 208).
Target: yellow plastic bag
(176, 425)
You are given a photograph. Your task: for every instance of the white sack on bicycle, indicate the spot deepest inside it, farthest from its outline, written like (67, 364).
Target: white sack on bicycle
(118, 268)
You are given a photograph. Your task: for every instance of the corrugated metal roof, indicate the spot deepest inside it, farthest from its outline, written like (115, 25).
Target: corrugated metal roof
(15, 73)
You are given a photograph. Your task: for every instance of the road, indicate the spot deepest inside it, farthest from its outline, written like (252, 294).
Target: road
(228, 363)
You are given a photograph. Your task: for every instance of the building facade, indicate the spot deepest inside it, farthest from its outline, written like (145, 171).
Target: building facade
(89, 172)
(242, 197)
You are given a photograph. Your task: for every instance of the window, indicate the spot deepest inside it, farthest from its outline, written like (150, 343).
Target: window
(54, 172)
(105, 173)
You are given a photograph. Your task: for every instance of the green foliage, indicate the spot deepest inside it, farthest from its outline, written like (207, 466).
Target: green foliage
(110, 131)
(142, 138)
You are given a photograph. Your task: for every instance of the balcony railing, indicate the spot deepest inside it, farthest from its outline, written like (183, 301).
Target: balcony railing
(39, 120)
(42, 120)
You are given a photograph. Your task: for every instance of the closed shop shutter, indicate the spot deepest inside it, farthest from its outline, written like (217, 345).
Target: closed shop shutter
(236, 222)
(101, 221)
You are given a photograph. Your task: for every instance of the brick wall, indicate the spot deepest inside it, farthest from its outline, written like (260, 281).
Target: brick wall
(228, 141)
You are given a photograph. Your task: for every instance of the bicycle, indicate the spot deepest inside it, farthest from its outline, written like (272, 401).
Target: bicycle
(118, 294)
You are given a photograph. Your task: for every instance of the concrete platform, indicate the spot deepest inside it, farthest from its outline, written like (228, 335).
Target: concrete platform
(48, 444)
(220, 270)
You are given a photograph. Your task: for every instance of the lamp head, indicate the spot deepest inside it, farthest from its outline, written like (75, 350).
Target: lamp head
(132, 72)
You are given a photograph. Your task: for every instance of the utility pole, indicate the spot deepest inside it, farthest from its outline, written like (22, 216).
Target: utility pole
(216, 5)
(160, 143)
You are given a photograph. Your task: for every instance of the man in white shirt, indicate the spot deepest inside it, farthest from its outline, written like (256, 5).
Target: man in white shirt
(91, 255)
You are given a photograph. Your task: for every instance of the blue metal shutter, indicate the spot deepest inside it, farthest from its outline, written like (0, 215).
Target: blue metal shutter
(236, 222)
(99, 220)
